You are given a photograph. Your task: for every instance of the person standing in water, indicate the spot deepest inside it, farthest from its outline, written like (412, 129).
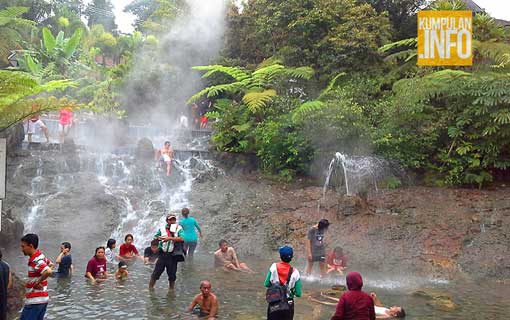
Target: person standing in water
(36, 296)
(122, 272)
(189, 224)
(109, 253)
(65, 261)
(170, 238)
(282, 273)
(151, 254)
(167, 154)
(206, 301)
(96, 267)
(316, 247)
(5, 284)
(354, 304)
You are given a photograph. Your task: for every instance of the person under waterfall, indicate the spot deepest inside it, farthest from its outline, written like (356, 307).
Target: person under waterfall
(167, 154)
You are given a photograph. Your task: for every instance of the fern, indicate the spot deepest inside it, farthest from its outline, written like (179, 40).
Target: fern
(258, 100)
(307, 108)
(235, 72)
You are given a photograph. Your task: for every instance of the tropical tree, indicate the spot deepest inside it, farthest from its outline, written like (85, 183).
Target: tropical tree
(12, 30)
(256, 88)
(22, 95)
(101, 12)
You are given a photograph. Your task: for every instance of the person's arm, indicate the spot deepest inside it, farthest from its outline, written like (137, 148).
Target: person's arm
(376, 299)
(72, 268)
(213, 313)
(44, 275)
(298, 289)
(59, 258)
(117, 275)
(90, 277)
(236, 260)
(9, 282)
(179, 237)
(192, 304)
(308, 250)
(339, 313)
(198, 228)
(267, 282)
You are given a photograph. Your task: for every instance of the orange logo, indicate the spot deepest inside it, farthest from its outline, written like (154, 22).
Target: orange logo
(445, 38)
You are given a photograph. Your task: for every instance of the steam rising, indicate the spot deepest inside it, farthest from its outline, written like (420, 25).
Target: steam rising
(162, 80)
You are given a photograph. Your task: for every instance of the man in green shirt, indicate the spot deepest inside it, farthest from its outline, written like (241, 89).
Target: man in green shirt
(170, 240)
(279, 273)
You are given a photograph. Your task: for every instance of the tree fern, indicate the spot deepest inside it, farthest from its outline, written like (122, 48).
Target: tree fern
(235, 72)
(11, 29)
(307, 108)
(258, 100)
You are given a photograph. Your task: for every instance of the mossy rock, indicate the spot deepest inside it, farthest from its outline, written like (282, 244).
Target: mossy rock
(437, 299)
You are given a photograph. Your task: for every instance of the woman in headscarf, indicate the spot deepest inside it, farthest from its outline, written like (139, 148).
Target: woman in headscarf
(354, 304)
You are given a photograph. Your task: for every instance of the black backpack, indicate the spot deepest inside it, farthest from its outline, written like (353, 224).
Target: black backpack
(276, 295)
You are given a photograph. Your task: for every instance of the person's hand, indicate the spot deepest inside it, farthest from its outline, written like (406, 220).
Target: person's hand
(310, 257)
(92, 281)
(38, 286)
(373, 295)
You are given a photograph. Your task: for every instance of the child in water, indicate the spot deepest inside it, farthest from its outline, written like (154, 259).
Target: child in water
(336, 261)
(122, 272)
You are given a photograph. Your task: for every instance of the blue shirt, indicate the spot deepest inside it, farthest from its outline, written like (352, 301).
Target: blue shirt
(188, 226)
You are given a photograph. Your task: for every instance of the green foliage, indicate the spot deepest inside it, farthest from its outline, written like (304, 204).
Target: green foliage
(19, 99)
(12, 30)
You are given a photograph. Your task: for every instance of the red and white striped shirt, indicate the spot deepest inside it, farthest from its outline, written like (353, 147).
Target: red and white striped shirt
(37, 264)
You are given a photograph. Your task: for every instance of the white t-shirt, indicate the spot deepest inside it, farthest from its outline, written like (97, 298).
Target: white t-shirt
(108, 253)
(380, 311)
(33, 127)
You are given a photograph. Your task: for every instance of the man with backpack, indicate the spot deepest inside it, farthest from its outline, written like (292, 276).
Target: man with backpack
(283, 283)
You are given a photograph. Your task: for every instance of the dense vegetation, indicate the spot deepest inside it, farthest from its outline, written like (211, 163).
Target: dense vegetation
(295, 81)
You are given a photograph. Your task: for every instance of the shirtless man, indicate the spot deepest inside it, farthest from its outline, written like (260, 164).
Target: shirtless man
(226, 257)
(386, 313)
(206, 301)
(167, 154)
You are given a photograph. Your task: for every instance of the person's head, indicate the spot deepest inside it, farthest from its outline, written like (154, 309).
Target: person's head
(65, 246)
(111, 243)
(171, 219)
(99, 254)
(29, 244)
(154, 245)
(397, 312)
(167, 144)
(323, 224)
(128, 239)
(185, 212)
(122, 266)
(205, 287)
(286, 253)
(338, 252)
(223, 245)
(354, 281)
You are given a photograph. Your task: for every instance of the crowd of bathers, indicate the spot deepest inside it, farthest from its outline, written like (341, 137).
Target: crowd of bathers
(175, 242)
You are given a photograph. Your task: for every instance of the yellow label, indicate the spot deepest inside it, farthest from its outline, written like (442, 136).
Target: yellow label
(445, 38)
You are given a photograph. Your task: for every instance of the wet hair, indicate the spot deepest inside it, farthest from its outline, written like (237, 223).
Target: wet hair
(323, 224)
(31, 239)
(110, 243)
(121, 264)
(154, 242)
(97, 249)
(127, 236)
(185, 212)
(66, 245)
(222, 241)
(167, 142)
(401, 313)
(204, 282)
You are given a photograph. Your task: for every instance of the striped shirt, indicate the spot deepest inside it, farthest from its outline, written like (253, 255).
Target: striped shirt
(37, 264)
(174, 230)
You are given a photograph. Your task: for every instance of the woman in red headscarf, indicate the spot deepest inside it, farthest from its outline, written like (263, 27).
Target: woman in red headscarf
(354, 304)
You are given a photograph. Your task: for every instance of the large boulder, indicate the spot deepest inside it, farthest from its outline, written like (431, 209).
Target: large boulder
(12, 228)
(14, 135)
(144, 150)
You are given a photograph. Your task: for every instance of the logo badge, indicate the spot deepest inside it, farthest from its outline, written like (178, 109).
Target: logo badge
(445, 38)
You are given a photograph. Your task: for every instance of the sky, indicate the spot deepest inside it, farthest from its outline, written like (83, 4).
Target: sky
(499, 9)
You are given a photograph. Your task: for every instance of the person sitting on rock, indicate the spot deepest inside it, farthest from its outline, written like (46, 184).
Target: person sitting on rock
(336, 261)
(226, 257)
(386, 313)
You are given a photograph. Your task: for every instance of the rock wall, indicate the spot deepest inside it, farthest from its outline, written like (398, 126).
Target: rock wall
(417, 230)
